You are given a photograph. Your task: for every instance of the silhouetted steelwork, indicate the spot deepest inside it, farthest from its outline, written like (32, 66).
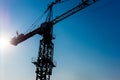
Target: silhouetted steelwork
(22, 37)
(84, 4)
(44, 63)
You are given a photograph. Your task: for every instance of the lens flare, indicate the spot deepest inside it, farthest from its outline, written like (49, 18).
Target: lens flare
(4, 42)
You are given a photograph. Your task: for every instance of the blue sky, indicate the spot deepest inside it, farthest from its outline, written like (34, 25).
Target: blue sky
(87, 44)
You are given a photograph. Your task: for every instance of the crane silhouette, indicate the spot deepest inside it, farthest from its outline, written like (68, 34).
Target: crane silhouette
(44, 62)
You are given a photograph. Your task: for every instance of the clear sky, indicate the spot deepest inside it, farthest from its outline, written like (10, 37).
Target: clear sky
(87, 44)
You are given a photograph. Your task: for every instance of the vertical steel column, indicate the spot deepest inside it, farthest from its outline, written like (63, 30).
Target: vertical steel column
(44, 63)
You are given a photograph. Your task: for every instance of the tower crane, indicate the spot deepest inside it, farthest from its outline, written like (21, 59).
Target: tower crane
(44, 63)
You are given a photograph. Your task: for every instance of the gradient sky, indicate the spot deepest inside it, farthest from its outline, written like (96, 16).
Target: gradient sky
(87, 44)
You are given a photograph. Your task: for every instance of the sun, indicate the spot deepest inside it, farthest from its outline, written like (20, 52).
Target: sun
(4, 42)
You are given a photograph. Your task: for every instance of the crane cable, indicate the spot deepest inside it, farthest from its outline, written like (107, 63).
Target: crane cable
(34, 24)
(38, 20)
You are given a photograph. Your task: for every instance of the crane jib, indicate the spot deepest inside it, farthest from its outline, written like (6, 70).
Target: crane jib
(73, 10)
(44, 62)
(22, 37)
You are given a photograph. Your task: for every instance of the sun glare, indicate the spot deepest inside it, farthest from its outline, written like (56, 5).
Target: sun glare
(4, 42)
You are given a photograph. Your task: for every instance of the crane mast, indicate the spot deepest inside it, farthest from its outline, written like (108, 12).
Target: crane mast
(44, 62)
